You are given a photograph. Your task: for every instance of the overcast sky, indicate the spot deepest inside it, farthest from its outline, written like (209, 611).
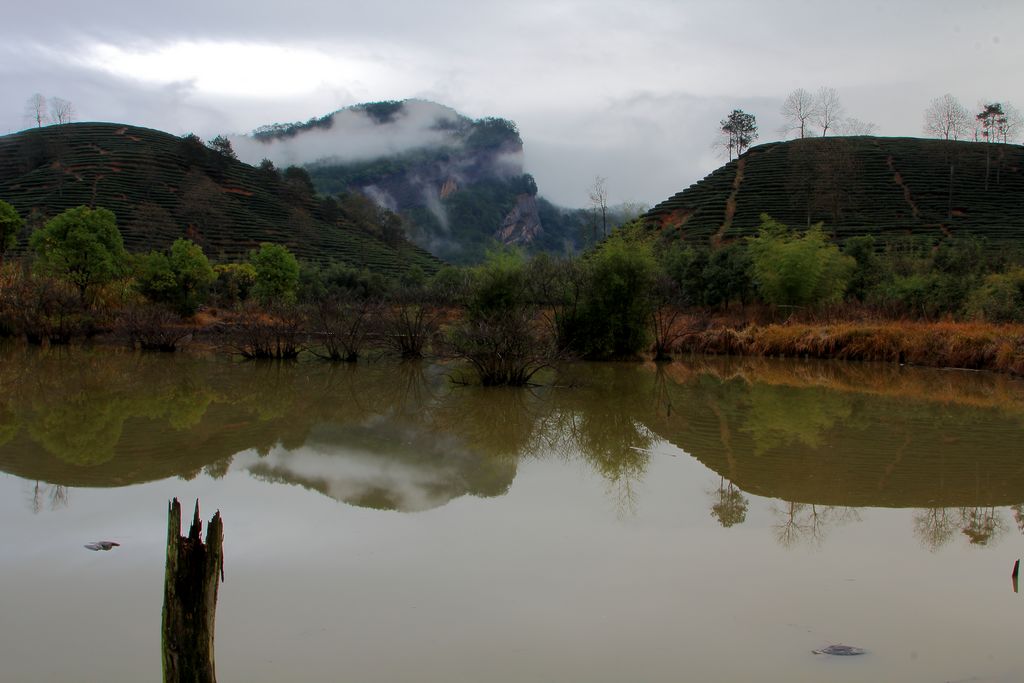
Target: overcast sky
(632, 91)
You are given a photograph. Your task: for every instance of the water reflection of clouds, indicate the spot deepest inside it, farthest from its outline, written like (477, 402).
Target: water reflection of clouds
(360, 477)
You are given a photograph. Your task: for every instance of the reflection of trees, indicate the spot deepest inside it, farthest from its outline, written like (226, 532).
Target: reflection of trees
(217, 469)
(934, 527)
(53, 496)
(81, 430)
(808, 523)
(9, 424)
(981, 524)
(729, 505)
(493, 421)
(120, 413)
(1018, 516)
(269, 389)
(604, 425)
(76, 404)
(782, 416)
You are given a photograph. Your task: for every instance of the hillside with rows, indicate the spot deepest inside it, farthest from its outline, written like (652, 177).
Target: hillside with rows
(893, 188)
(162, 187)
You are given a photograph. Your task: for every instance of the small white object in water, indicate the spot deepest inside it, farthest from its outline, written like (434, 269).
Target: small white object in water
(102, 545)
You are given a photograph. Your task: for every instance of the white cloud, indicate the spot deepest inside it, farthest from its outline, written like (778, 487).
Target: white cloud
(354, 136)
(568, 71)
(230, 69)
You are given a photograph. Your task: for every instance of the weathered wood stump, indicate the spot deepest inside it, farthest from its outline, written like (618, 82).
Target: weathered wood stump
(194, 572)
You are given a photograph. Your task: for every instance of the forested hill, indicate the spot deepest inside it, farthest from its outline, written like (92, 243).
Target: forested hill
(162, 187)
(458, 182)
(887, 187)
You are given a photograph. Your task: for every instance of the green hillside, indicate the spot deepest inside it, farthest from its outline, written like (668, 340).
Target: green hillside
(162, 187)
(888, 187)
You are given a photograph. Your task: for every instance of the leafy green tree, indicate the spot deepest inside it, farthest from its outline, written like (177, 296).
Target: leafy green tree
(791, 269)
(738, 130)
(612, 318)
(277, 273)
(499, 285)
(82, 246)
(222, 145)
(234, 282)
(10, 225)
(992, 119)
(181, 278)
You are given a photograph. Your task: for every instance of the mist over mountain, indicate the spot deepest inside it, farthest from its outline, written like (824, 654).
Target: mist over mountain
(458, 182)
(358, 133)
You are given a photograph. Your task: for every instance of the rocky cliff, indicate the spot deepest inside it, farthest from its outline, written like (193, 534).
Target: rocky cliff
(458, 182)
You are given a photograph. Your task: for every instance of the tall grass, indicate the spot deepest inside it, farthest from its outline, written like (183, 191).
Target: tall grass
(974, 345)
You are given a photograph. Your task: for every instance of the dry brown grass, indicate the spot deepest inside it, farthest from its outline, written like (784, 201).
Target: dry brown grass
(974, 345)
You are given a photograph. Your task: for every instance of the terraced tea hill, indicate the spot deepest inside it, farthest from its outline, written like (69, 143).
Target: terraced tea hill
(888, 187)
(163, 187)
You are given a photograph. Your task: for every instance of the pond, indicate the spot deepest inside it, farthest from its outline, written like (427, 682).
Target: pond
(709, 520)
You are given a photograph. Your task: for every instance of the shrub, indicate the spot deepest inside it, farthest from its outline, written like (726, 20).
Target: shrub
(234, 282)
(277, 273)
(272, 333)
(726, 275)
(180, 279)
(45, 309)
(611, 320)
(341, 328)
(868, 271)
(498, 336)
(151, 328)
(791, 269)
(1000, 298)
(10, 225)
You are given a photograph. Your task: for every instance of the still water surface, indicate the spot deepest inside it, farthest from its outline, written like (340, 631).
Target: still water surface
(714, 520)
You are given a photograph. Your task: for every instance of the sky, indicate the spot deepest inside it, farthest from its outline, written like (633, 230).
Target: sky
(632, 91)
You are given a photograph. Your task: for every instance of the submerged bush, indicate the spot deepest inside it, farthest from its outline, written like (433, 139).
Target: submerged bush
(342, 328)
(275, 332)
(611, 320)
(152, 328)
(499, 336)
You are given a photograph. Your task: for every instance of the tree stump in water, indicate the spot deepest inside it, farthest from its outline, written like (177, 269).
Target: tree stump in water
(194, 572)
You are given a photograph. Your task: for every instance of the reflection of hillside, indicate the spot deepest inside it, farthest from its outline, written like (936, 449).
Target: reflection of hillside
(964, 388)
(77, 418)
(917, 443)
(401, 436)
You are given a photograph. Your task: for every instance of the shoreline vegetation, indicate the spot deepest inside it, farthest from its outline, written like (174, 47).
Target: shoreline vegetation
(635, 296)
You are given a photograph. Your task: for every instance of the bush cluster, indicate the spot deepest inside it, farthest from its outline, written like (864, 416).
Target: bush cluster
(508, 318)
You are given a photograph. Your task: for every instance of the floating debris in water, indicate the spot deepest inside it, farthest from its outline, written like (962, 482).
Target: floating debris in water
(102, 545)
(839, 650)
